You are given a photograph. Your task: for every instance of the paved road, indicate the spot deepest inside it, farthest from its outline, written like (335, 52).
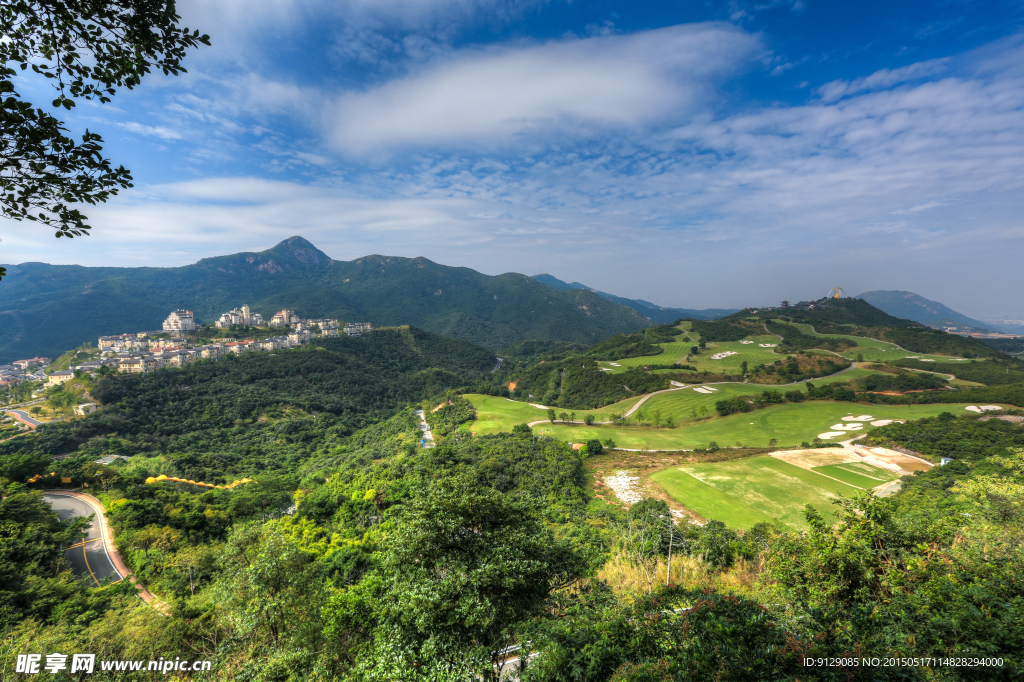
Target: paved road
(24, 417)
(89, 557)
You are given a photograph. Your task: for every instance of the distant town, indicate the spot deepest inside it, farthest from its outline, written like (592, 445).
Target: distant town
(177, 344)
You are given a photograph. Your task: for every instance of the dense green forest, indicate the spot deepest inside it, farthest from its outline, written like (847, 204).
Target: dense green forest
(1013, 346)
(798, 367)
(720, 330)
(245, 414)
(634, 345)
(577, 382)
(829, 314)
(989, 372)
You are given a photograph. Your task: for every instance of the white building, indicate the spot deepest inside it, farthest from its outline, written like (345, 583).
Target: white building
(243, 316)
(284, 318)
(357, 328)
(180, 321)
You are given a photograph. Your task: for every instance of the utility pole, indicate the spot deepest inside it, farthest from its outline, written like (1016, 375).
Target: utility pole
(671, 536)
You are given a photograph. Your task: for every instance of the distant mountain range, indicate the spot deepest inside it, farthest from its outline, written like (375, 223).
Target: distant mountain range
(654, 312)
(47, 309)
(910, 306)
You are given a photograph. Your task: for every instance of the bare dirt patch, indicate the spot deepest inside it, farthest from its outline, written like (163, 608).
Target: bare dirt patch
(907, 464)
(816, 457)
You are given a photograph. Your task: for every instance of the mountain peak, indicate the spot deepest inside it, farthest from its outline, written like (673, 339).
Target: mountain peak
(301, 250)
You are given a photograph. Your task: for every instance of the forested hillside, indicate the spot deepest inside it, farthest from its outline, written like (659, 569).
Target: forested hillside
(854, 317)
(37, 299)
(379, 560)
(241, 415)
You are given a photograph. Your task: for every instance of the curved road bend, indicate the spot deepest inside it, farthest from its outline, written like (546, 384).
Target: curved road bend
(96, 556)
(89, 556)
(24, 418)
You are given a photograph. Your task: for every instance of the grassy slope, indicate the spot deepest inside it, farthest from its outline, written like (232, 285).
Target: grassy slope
(495, 413)
(789, 424)
(871, 349)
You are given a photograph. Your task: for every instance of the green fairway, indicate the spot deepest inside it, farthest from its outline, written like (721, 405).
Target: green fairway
(494, 413)
(859, 474)
(672, 353)
(749, 491)
(789, 424)
(752, 353)
(709, 501)
(870, 349)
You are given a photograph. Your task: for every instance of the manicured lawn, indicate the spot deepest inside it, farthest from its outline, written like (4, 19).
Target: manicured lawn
(495, 413)
(749, 491)
(859, 474)
(709, 501)
(788, 424)
(751, 352)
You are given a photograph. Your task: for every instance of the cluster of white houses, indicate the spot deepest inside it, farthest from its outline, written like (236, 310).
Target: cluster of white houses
(141, 353)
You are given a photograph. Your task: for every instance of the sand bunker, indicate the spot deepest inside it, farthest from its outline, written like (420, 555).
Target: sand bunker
(767, 345)
(614, 364)
(719, 356)
(746, 342)
(846, 427)
(701, 389)
(861, 418)
(828, 435)
(927, 360)
(982, 408)
(607, 369)
(881, 422)
(676, 383)
(624, 487)
(710, 388)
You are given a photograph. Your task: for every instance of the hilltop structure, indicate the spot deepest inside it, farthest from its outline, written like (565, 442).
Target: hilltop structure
(180, 321)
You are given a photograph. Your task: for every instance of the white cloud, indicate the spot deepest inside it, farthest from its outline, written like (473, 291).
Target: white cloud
(491, 96)
(883, 78)
(151, 131)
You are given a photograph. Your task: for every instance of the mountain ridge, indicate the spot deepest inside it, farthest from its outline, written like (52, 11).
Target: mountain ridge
(47, 309)
(652, 311)
(911, 306)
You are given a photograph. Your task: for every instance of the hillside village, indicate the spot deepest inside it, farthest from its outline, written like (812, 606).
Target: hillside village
(177, 344)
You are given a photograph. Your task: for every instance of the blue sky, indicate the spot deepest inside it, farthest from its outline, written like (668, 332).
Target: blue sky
(698, 154)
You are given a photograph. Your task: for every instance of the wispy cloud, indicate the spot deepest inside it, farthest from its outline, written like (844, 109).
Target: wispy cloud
(883, 78)
(151, 131)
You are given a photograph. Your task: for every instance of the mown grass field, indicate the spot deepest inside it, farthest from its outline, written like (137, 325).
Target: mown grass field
(673, 352)
(752, 353)
(859, 474)
(496, 414)
(789, 424)
(743, 493)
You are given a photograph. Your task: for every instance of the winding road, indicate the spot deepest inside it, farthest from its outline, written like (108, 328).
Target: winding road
(95, 557)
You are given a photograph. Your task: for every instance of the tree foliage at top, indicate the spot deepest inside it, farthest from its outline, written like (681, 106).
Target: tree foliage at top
(86, 50)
